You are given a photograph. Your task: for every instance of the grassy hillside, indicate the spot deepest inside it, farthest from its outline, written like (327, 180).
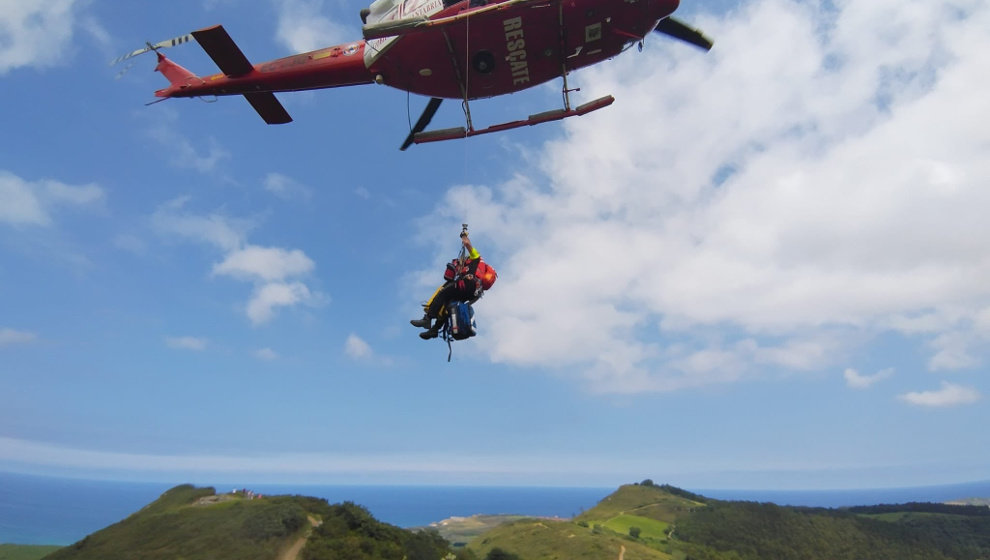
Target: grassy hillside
(461, 530)
(637, 522)
(189, 523)
(662, 503)
(662, 522)
(600, 532)
(539, 539)
(349, 532)
(25, 551)
(754, 531)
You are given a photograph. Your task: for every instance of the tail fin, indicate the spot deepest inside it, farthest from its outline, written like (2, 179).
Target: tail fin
(176, 75)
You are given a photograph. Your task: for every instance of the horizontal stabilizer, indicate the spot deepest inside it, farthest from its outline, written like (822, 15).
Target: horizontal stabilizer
(223, 50)
(268, 106)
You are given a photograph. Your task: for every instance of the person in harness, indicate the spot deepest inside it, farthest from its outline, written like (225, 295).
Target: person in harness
(465, 280)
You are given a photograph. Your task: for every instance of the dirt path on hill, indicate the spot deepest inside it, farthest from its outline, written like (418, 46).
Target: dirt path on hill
(622, 551)
(292, 553)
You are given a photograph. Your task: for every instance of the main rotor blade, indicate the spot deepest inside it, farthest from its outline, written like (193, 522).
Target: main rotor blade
(424, 119)
(680, 30)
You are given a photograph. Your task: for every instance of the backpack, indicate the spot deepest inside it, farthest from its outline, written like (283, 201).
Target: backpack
(460, 321)
(459, 324)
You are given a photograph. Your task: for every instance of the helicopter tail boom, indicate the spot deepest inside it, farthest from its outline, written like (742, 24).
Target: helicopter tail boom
(232, 62)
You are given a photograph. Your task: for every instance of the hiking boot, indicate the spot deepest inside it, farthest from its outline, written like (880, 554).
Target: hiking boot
(427, 335)
(423, 323)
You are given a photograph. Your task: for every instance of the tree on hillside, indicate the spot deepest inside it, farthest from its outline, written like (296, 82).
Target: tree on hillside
(499, 554)
(425, 545)
(634, 532)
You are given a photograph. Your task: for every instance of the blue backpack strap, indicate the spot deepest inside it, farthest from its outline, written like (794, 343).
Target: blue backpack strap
(445, 335)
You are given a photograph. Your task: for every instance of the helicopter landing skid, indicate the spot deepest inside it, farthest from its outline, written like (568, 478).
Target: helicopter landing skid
(539, 118)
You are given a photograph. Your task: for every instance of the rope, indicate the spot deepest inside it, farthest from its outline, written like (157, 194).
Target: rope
(462, 258)
(467, 57)
(408, 115)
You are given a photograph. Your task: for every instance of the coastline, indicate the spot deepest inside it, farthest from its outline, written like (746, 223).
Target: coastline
(36, 510)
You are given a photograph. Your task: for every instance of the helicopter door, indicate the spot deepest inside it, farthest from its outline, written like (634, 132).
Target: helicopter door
(390, 11)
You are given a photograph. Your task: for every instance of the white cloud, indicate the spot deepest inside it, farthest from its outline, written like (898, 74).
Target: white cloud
(268, 268)
(266, 354)
(754, 206)
(60, 193)
(186, 155)
(302, 27)
(857, 380)
(96, 31)
(10, 337)
(130, 243)
(35, 33)
(949, 395)
(19, 205)
(34, 457)
(215, 229)
(953, 351)
(267, 297)
(264, 263)
(186, 343)
(31, 203)
(357, 348)
(286, 187)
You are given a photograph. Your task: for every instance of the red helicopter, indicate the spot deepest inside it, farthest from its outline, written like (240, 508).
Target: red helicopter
(454, 49)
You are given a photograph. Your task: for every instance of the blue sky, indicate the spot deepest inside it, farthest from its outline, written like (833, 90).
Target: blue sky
(761, 267)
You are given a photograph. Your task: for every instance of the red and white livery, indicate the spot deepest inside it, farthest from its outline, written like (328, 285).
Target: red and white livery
(443, 49)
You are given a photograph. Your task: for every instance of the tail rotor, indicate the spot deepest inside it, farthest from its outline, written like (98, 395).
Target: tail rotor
(173, 42)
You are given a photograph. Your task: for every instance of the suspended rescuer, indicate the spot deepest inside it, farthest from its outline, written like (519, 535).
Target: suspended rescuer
(465, 279)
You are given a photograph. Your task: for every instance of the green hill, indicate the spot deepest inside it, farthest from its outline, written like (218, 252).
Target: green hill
(189, 523)
(540, 539)
(637, 522)
(662, 522)
(600, 532)
(25, 551)
(661, 503)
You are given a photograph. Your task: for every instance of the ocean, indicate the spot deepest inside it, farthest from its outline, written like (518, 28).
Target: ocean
(861, 497)
(61, 511)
